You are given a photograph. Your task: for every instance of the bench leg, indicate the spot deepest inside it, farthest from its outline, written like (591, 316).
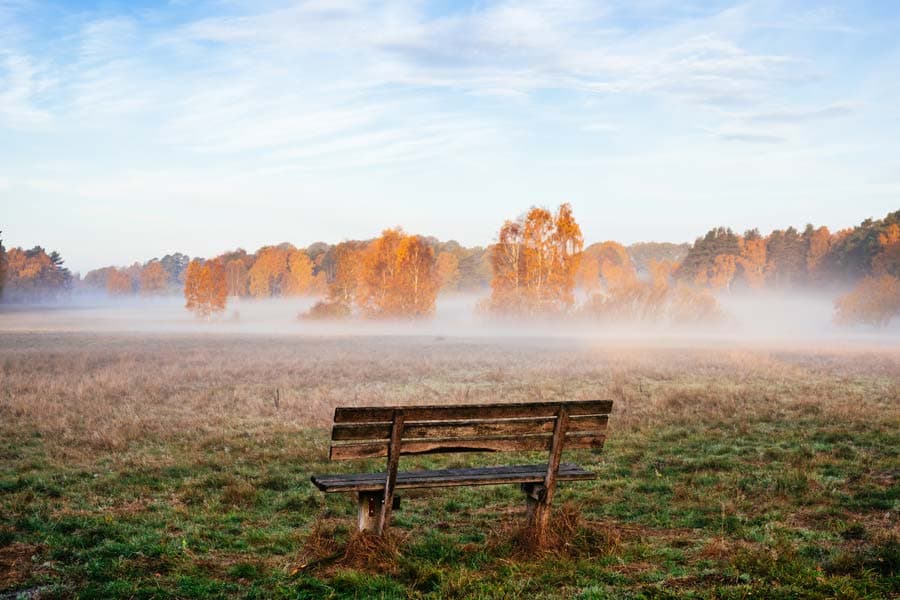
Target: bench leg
(370, 510)
(537, 511)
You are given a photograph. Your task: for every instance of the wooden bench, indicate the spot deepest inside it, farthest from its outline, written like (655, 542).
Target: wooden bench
(397, 431)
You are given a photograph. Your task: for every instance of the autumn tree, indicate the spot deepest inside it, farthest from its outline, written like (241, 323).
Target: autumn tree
(875, 301)
(398, 277)
(853, 250)
(615, 265)
(34, 274)
(298, 278)
(887, 261)
(418, 283)
(625, 297)
(205, 287)
(153, 280)
(568, 244)
(588, 277)
(319, 286)
(348, 258)
(96, 278)
(722, 272)
(785, 258)
(818, 245)
(535, 262)
(508, 266)
(268, 273)
(447, 271)
(537, 254)
(119, 283)
(752, 259)
(236, 277)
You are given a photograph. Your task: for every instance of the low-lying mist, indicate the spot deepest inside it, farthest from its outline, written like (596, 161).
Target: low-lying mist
(749, 317)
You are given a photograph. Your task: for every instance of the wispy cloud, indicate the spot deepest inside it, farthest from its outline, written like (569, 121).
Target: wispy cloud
(20, 84)
(751, 138)
(804, 115)
(223, 101)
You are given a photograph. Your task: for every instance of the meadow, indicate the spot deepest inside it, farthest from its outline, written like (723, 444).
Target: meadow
(157, 465)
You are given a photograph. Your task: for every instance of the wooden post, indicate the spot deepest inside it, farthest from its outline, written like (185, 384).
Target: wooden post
(540, 511)
(534, 493)
(387, 502)
(369, 510)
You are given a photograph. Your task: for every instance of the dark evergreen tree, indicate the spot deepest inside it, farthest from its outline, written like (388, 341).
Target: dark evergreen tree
(703, 253)
(175, 264)
(786, 258)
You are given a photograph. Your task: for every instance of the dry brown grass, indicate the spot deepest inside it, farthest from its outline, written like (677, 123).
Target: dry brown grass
(15, 563)
(89, 393)
(568, 534)
(325, 549)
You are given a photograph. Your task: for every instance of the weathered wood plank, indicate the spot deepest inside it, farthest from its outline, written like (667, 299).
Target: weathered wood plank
(522, 443)
(384, 414)
(457, 472)
(374, 482)
(468, 428)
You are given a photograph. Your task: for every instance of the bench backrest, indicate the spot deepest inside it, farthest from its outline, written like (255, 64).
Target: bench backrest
(369, 432)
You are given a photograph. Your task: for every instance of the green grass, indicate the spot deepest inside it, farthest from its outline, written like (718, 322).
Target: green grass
(800, 509)
(159, 466)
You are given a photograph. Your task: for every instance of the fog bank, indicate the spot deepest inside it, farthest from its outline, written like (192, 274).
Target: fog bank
(759, 317)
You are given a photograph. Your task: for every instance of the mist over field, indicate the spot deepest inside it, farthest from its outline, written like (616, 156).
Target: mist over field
(748, 318)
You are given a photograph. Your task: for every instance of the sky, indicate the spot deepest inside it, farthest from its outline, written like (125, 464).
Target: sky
(129, 130)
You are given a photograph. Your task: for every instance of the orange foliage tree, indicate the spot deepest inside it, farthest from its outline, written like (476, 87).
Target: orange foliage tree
(615, 265)
(268, 271)
(887, 261)
(345, 270)
(398, 277)
(418, 277)
(298, 279)
(875, 301)
(33, 274)
(118, 283)
(535, 262)
(236, 278)
(818, 246)
(623, 296)
(508, 267)
(752, 259)
(447, 271)
(205, 287)
(722, 271)
(153, 280)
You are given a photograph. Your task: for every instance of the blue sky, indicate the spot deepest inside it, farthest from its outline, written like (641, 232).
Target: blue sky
(133, 129)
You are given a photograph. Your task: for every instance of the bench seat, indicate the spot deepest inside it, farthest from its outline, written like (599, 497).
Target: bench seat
(374, 482)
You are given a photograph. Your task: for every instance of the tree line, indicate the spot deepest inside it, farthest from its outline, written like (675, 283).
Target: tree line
(538, 265)
(26, 275)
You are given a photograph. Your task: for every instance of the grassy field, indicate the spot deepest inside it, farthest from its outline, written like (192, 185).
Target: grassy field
(160, 466)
